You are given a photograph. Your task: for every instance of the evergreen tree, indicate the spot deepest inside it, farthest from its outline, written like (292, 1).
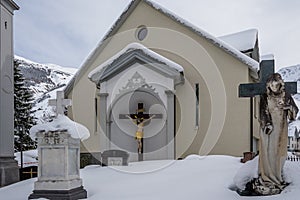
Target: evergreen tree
(23, 116)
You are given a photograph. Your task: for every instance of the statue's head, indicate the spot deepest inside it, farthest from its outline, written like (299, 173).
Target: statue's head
(275, 84)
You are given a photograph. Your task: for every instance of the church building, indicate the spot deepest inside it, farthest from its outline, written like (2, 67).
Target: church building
(158, 81)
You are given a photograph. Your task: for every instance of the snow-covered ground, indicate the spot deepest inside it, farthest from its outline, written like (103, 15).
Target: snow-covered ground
(30, 158)
(195, 177)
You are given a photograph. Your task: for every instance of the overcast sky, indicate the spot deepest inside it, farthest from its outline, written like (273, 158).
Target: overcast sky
(64, 32)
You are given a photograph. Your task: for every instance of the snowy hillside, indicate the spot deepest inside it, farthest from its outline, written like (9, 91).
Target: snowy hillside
(44, 80)
(293, 74)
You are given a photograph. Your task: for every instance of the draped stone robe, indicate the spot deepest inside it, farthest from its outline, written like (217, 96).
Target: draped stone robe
(275, 110)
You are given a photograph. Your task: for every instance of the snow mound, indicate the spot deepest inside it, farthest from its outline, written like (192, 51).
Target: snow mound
(207, 178)
(291, 174)
(76, 130)
(30, 158)
(246, 173)
(193, 157)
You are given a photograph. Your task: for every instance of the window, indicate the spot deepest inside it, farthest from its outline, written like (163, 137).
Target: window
(197, 105)
(96, 114)
(256, 107)
(141, 33)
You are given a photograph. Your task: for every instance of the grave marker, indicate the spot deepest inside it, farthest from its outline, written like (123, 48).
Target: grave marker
(60, 103)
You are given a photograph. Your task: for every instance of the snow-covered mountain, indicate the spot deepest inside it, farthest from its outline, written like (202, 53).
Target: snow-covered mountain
(44, 80)
(292, 73)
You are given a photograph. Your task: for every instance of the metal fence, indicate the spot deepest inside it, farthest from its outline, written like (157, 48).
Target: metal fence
(293, 158)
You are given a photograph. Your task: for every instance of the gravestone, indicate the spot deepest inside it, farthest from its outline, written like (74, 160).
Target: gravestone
(115, 158)
(60, 103)
(59, 157)
(58, 174)
(9, 170)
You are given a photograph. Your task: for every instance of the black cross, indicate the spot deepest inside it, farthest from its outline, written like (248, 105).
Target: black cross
(266, 69)
(140, 116)
(254, 89)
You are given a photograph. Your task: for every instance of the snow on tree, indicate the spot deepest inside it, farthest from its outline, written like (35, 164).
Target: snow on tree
(23, 114)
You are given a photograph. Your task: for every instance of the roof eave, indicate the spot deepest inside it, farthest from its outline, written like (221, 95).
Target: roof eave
(217, 42)
(10, 5)
(127, 59)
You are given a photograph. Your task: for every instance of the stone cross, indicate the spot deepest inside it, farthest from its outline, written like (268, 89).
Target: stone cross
(60, 103)
(266, 69)
(253, 89)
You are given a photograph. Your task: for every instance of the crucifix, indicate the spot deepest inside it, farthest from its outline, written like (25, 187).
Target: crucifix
(60, 103)
(139, 119)
(253, 89)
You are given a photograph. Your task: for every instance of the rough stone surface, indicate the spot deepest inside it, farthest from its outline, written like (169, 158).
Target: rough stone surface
(9, 171)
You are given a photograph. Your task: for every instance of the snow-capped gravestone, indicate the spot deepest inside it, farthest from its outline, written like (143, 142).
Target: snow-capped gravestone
(276, 108)
(58, 155)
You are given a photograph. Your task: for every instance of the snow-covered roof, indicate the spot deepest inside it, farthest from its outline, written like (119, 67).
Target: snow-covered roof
(253, 65)
(11, 3)
(62, 122)
(102, 71)
(242, 41)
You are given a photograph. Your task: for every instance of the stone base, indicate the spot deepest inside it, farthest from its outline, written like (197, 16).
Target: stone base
(41, 185)
(9, 171)
(74, 194)
(256, 188)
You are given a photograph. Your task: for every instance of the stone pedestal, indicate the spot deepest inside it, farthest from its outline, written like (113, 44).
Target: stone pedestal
(9, 171)
(58, 174)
